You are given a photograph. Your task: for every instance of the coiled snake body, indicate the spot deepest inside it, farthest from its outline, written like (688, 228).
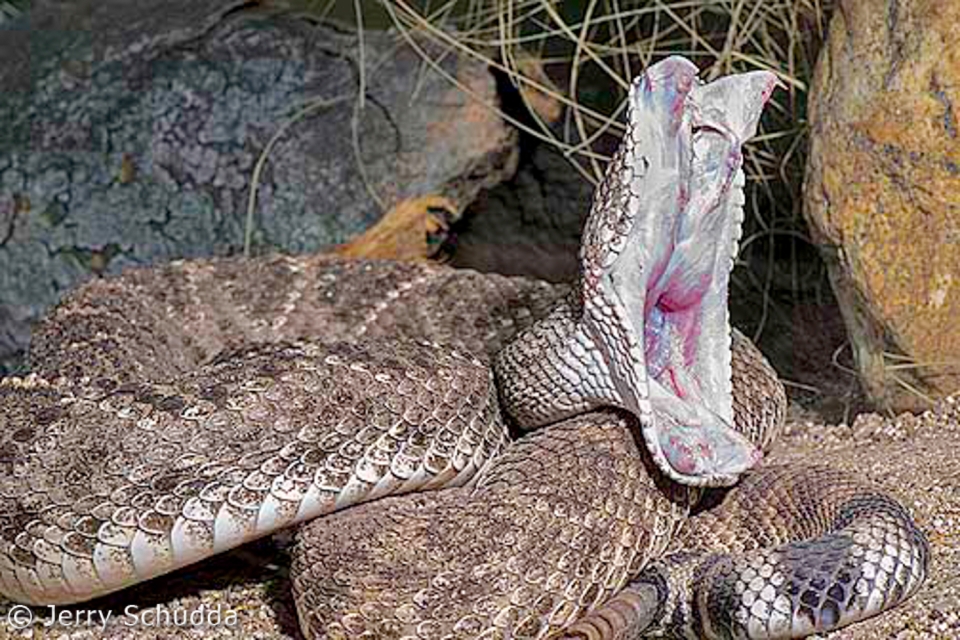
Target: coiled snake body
(179, 411)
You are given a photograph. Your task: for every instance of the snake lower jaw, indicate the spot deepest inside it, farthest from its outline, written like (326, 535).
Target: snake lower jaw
(694, 445)
(655, 298)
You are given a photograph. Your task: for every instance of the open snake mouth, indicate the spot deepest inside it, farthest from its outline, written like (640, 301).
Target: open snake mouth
(678, 184)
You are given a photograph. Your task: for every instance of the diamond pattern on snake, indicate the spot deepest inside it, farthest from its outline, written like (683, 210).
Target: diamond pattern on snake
(466, 455)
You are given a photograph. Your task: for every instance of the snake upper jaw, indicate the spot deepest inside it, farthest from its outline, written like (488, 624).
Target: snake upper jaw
(658, 250)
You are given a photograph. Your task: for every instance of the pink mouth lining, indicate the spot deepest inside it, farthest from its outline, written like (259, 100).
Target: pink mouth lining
(688, 278)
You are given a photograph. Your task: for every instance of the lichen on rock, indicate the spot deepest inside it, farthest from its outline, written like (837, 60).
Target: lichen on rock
(137, 145)
(882, 191)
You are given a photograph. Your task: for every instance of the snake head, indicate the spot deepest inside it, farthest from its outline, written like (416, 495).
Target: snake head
(656, 257)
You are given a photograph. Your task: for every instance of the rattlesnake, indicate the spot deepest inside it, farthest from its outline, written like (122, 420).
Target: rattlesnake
(178, 411)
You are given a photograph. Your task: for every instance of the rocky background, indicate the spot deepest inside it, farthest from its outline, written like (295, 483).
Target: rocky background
(882, 193)
(129, 135)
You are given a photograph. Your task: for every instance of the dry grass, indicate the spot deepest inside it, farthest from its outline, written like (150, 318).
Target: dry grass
(591, 50)
(582, 56)
(11, 10)
(585, 55)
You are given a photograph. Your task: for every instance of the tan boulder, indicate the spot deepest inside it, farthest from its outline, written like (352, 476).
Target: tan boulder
(882, 190)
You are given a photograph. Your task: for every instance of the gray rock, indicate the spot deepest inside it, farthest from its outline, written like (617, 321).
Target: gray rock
(129, 133)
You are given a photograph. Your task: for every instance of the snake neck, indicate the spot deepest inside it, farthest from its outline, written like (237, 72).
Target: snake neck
(552, 370)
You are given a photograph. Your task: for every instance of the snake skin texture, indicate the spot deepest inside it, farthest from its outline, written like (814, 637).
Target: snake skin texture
(556, 527)
(260, 435)
(855, 553)
(559, 524)
(470, 455)
(108, 478)
(852, 553)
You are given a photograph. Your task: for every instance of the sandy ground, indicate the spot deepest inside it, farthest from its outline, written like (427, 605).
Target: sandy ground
(915, 457)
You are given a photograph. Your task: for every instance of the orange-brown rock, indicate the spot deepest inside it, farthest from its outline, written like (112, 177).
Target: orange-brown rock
(882, 191)
(413, 230)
